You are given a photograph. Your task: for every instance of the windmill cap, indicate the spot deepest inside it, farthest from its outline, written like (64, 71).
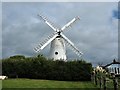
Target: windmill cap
(78, 17)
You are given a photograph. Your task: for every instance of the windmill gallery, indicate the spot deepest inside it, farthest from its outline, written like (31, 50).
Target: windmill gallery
(58, 41)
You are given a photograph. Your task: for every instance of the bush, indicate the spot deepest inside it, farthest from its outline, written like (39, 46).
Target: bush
(41, 68)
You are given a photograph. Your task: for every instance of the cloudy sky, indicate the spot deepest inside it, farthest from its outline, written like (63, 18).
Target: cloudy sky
(95, 34)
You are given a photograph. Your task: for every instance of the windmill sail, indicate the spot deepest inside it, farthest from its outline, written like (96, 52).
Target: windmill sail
(70, 23)
(50, 24)
(43, 44)
(71, 45)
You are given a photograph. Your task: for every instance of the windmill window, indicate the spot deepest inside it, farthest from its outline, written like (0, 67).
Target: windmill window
(56, 53)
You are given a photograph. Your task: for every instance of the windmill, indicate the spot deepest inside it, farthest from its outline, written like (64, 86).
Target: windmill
(58, 41)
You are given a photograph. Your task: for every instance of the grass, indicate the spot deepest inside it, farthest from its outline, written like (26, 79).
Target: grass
(32, 83)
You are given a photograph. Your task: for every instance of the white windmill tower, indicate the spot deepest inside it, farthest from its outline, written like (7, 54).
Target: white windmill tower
(58, 41)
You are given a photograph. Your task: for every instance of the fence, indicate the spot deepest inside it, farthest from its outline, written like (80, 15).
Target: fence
(107, 81)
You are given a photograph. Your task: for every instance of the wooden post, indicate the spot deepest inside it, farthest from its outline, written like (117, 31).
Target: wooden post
(95, 78)
(92, 77)
(100, 80)
(104, 83)
(115, 82)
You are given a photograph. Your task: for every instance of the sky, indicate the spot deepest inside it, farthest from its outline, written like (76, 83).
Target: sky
(95, 34)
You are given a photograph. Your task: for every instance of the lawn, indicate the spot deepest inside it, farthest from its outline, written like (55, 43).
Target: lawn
(32, 83)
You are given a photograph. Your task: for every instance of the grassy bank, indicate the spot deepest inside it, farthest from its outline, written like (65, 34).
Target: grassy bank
(32, 83)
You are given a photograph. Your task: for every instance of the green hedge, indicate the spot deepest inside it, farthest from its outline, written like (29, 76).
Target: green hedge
(41, 68)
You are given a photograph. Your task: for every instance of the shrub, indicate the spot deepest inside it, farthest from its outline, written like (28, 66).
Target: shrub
(41, 68)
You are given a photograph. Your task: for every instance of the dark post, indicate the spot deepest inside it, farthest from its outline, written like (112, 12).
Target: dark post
(95, 78)
(115, 82)
(104, 83)
(100, 79)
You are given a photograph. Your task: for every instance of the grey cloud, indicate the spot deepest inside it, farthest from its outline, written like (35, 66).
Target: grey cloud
(95, 33)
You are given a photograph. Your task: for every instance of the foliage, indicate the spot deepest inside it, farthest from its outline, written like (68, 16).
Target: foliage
(41, 68)
(18, 56)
